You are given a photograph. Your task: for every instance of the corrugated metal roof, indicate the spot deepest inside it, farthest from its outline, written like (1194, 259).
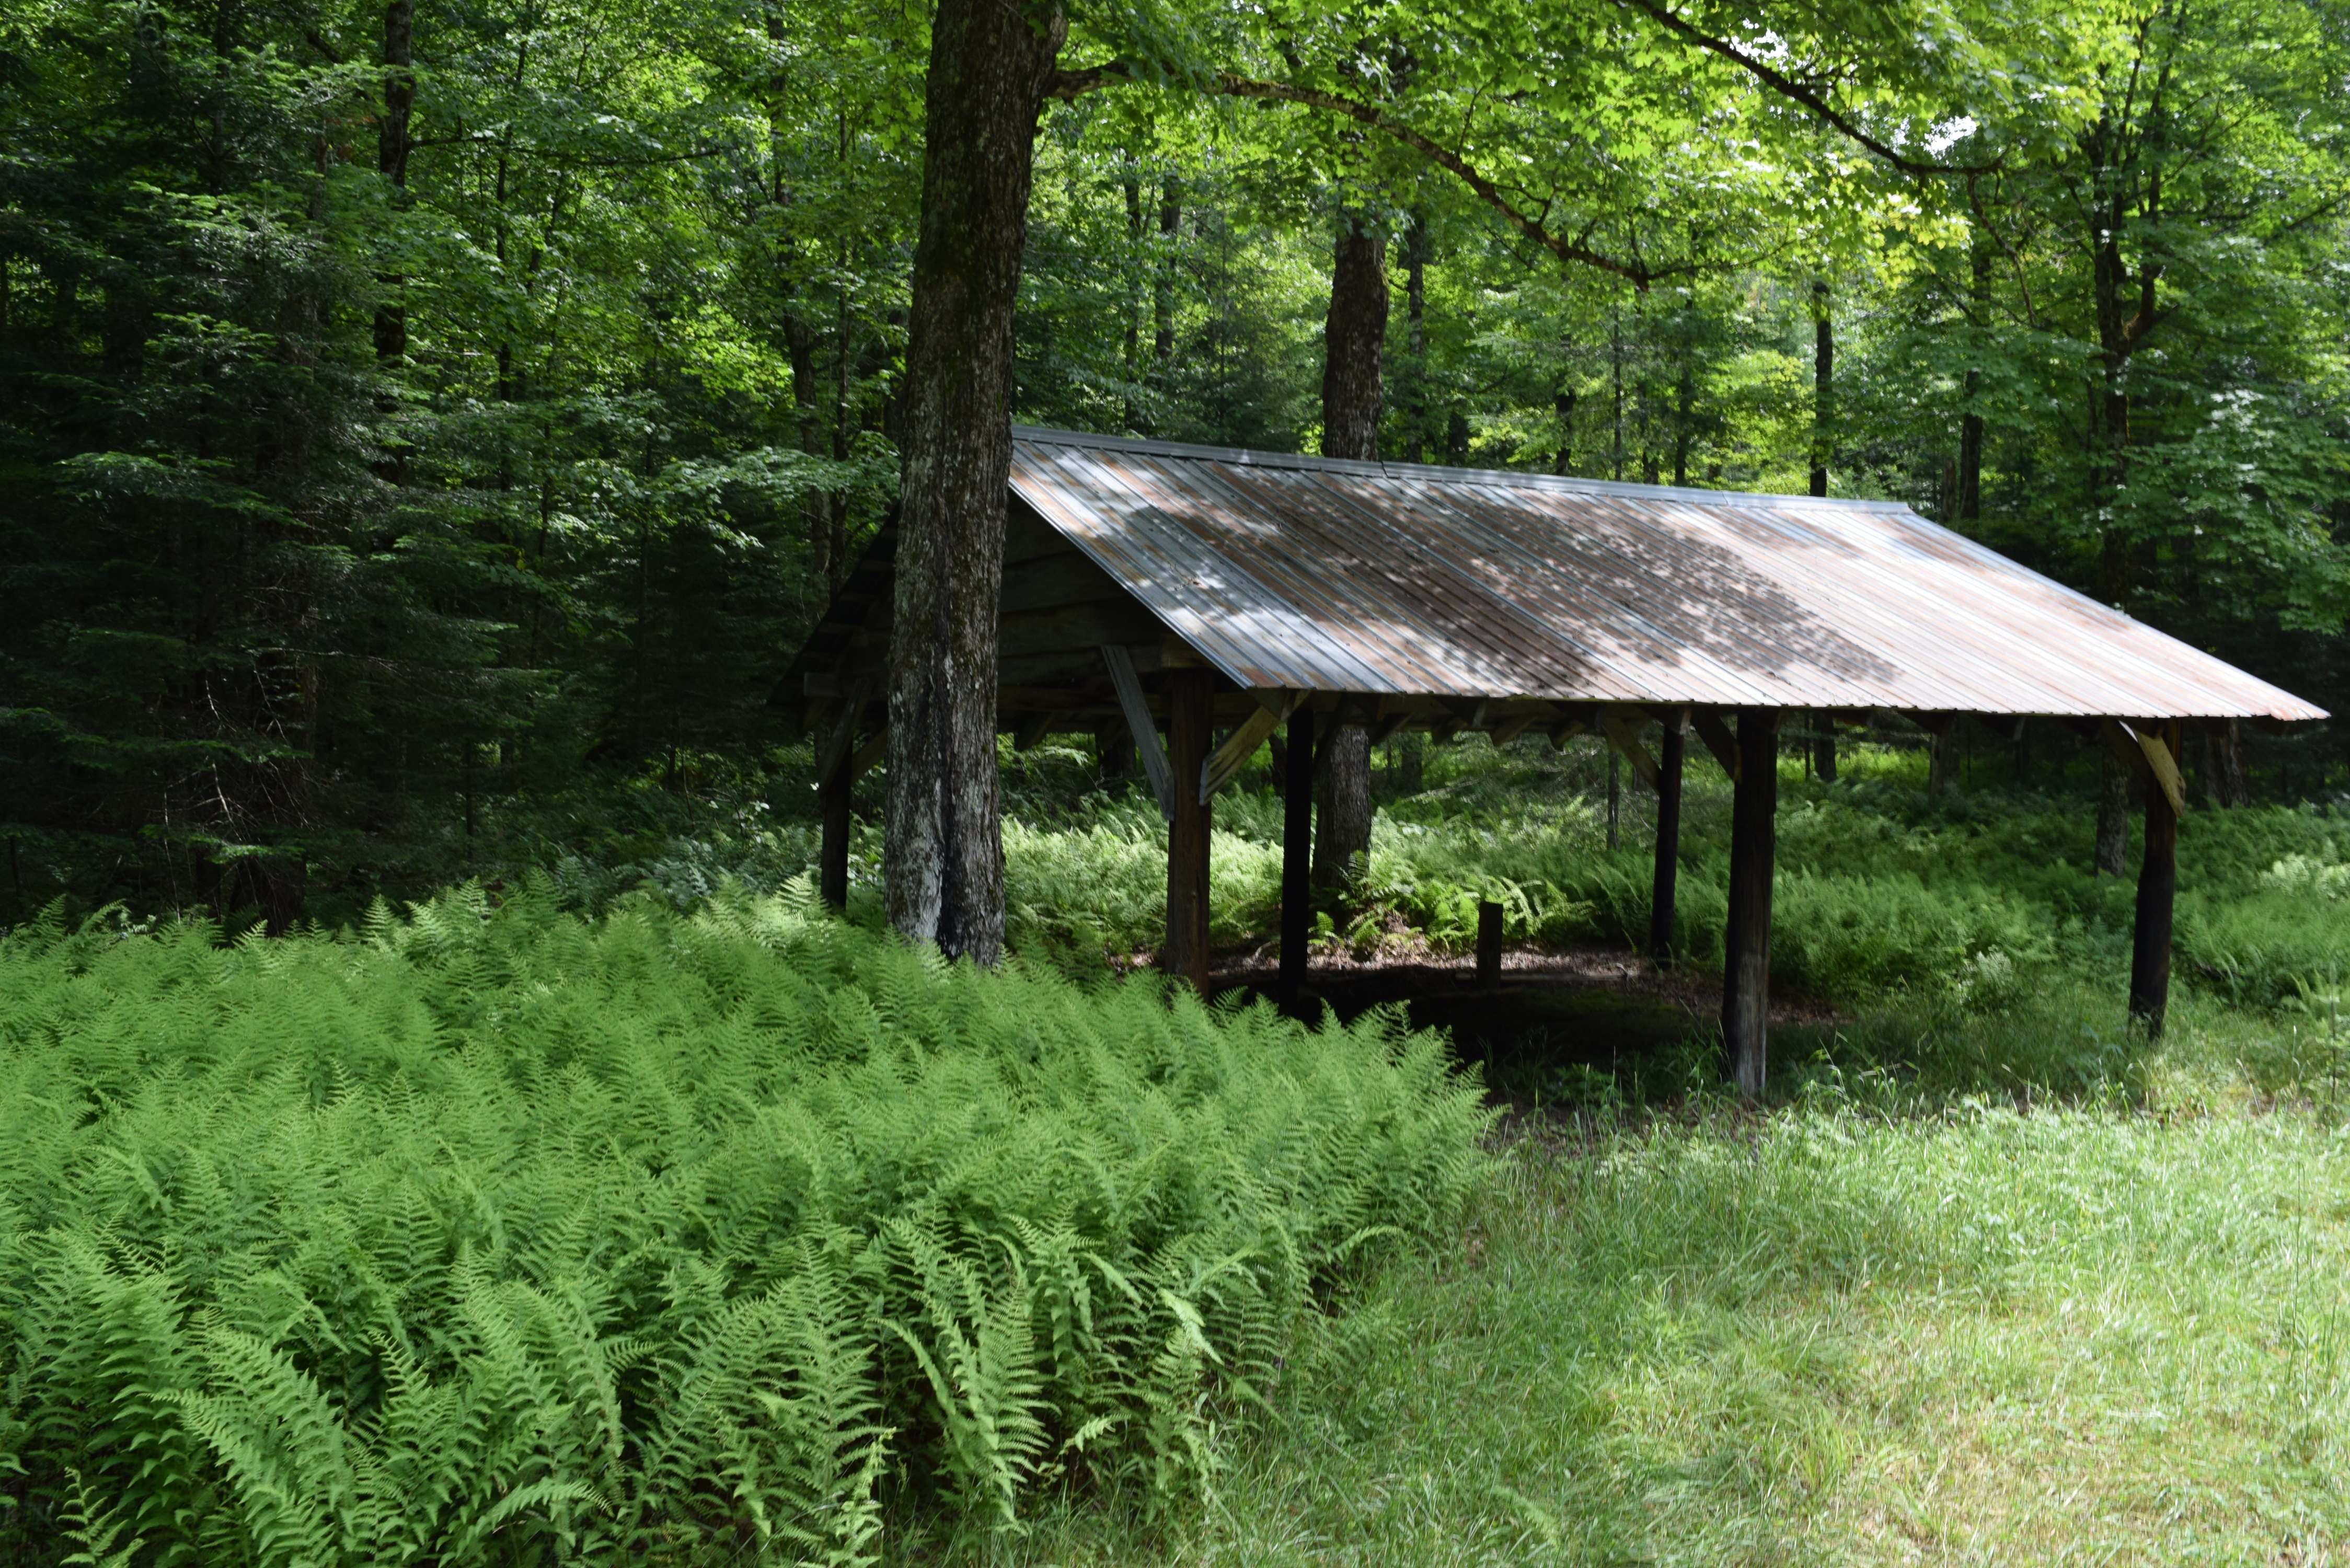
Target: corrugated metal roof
(1406, 580)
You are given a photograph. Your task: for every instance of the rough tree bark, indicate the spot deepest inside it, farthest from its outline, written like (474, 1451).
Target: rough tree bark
(1352, 393)
(943, 863)
(2223, 764)
(1342, 808)
(1355, 337)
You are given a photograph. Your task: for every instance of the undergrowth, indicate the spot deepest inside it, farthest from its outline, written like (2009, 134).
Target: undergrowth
(494, 1234)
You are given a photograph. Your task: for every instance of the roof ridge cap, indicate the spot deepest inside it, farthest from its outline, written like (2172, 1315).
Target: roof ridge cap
(1245, 457)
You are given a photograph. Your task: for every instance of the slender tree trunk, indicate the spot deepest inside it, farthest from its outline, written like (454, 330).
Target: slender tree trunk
(799, 340)
(1133, 358)
(1564, 403)
(1615, 385)
(392, 149)
(1163, 293)
(2111, 854)
(799, 337)
(1684, 413)
(943, 861)
(1822, 385)
(1970, 423)
(1355, 338)
(1414, 309)
(1615, 796)
(835, 544)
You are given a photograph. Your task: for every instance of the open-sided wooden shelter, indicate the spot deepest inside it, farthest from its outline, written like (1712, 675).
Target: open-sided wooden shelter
(1194, 590)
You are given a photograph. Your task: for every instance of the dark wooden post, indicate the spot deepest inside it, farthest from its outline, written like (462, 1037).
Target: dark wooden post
(1190, 716)
(1669, 841)
(1296, 855)
(2158, 886)
(1489, 942)
(832, 856)
(1746, 955)
(836, 766)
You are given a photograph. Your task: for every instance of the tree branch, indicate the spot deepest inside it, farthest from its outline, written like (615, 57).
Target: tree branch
(1070, 85)
(1798, 92)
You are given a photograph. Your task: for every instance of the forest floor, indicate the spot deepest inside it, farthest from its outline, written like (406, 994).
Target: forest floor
(1850, 1329)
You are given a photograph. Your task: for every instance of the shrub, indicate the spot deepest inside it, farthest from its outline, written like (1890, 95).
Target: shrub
(498, 1235)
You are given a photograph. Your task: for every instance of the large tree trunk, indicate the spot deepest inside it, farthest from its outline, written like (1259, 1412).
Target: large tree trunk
(1342, 808)
(943, 863)
(2223, 766)
(1355, 338)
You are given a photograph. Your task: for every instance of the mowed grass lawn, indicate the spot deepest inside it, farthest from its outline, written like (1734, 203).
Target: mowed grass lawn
(1974, 1333)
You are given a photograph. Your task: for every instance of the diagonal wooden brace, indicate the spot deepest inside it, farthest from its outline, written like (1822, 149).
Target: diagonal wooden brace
(2142, 751)
(1155, 766)
(1717, 738)
(1273, 708)
(1622, 726)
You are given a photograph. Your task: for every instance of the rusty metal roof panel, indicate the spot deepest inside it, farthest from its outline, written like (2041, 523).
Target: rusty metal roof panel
(1409, 580)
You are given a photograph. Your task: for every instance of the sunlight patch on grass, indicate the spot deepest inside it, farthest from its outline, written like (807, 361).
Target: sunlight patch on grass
(1983, 1337)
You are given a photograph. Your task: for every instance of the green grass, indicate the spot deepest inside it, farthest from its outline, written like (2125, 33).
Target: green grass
(1845, 1331)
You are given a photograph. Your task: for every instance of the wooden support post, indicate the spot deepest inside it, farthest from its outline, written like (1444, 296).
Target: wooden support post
(832, 855)
(1746, 965)
(1297, 857)
(1489, 942)
(2158, 886)
(1190, 712)
(1668, 842)
(837, 773)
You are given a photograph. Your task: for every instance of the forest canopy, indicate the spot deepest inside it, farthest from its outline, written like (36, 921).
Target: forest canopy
(410, 412)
